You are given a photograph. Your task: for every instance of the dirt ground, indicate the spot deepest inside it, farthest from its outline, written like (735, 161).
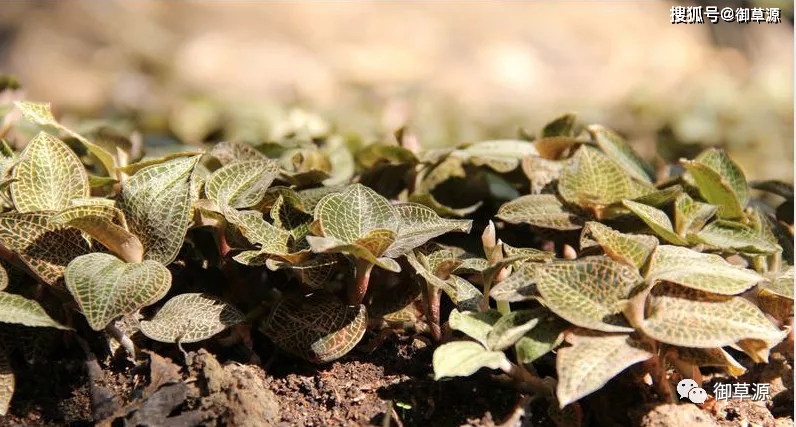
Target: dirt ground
(392, 386)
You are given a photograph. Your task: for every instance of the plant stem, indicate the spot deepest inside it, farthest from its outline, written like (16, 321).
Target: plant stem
(433, 295)
(122, 338)
(503, 307)
(657, 368)
(357, 292)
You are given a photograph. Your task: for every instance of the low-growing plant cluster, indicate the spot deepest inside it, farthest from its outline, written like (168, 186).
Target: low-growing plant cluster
(604, 261)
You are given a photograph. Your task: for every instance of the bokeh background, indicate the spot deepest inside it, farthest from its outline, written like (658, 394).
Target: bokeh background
(454, 71)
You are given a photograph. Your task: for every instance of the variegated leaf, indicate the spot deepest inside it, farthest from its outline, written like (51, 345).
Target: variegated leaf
(594, 359)
(352, 214)
(44, 247)
(475, 324)
(540, 210)
(590, 292)
(702, 271)
(318, 328)
(720, 181)
(632, 250)
(20, 310)
(41, 114)
(519, 286)
(157, 204)
(691, 215)
(241, 184)
(512, 326)
(98, 222)
(105, 287)
(191, 317)
(592, 179)
(734, 236)
(710, 357)
(231, 151)
(49, 176)
(502, 156)
(418, 225)
(690, 318)
(542, 339)
(657, 220)
(622, 153)
(7, 382)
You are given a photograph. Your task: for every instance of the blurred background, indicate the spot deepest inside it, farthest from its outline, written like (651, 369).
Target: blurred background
(454, 71)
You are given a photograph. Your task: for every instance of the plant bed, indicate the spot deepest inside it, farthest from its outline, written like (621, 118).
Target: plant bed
(552, 279)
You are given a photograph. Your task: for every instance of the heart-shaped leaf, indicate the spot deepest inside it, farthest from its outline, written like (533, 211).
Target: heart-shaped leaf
(20, 310)
(241, 184)
(45, 248)
(318, 328)
(420, 224)
(705, 272)
(49, 176)
(464, 358)
(40, 113)
(475, 324)
(189, 318)
(157, 204)
(542, 339)
(352, 214)
(590, 292)
(690, 215)
(622, 153)
(7, 382)
(690, 318)
(98, 222)
(106, 287)
(592, 179)
(632, 250)
(657, 220)
(540, 210)
(734, 236)
(592, 360)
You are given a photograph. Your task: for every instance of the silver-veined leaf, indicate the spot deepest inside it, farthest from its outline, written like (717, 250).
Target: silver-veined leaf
(189, 318)
(464, 358)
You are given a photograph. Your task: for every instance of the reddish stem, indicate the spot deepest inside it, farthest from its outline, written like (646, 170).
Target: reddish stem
(356, 293)
(432, 311)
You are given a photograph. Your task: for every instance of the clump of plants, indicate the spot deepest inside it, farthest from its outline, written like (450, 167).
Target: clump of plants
(612, 263)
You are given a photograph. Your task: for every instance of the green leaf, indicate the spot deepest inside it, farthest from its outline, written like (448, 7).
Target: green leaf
(540, 210)
(540, 340)
(512, 326)
(702, 271)
(502, 156)
(519, 286)
(133, 168)
(189, 318)
(49, 176)
(463, 293)
(352, 214)
(40, 113)
(592, 179)
(590, 292)
(318, 328)
(420, 224)
(561, 126)
(734, 236)
(632, 250)
(782, 189)
(7, 382)
(690, 215)
(3, 277)
(475, 324)
(427, 199)
(592, 361)
(241, 184)
(369, 248)
(657, 220)
(157, 204)
(22, 311)
(720, 181)
(97, 222)
(781, 283)
(464, 358)
(690, 318)
(541, 172)
(106, 287)
(622, 153)
(45, 248)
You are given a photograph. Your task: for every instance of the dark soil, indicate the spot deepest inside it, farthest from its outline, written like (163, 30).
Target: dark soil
(390, 386)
